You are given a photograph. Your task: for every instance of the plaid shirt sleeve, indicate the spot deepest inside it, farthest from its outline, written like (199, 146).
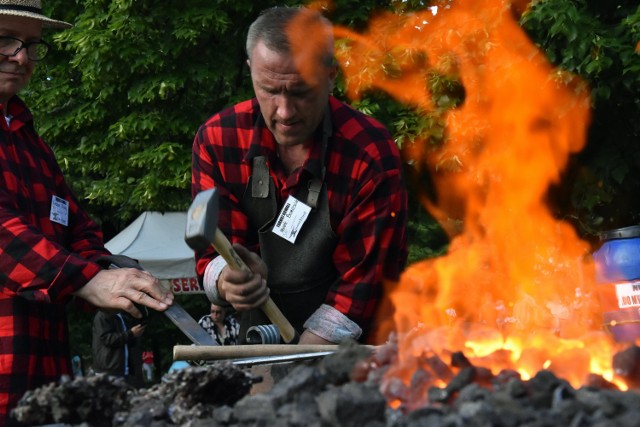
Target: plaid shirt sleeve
(368, 201)
(40, 259)
(219, 150)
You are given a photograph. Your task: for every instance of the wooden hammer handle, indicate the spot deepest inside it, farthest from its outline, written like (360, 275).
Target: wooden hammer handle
(269, 308)
(224, 248)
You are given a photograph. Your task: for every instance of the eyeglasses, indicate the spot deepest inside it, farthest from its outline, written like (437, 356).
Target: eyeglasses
(10, 46)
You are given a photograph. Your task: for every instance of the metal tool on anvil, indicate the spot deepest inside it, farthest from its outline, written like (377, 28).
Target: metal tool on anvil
(189, 326)
(202, 231)
(175, 312)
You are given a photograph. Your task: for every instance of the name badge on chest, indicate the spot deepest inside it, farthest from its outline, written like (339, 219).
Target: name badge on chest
(292, 217)
(59, 211)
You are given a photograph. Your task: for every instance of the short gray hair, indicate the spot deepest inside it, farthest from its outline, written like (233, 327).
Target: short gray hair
(271, 28)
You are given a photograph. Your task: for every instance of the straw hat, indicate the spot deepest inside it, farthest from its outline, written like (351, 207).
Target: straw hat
(30, 9)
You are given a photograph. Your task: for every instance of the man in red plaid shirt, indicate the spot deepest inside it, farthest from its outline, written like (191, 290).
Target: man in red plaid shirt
(311, 190)
(50, 250)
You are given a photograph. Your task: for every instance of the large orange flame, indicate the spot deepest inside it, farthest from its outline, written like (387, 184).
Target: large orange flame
(516, 281)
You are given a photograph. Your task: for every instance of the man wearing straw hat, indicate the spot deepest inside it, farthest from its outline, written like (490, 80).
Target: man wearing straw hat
(50, 249)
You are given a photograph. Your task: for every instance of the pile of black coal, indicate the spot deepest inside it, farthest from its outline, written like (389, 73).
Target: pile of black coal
(343, 389)
(102, 400)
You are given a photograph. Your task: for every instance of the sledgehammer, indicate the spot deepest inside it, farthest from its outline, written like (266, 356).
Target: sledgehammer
(202, 231)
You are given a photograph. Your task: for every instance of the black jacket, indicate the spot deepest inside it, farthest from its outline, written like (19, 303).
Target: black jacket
(109, 339)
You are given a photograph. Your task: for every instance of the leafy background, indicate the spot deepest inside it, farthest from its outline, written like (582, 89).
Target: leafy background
(122, 95)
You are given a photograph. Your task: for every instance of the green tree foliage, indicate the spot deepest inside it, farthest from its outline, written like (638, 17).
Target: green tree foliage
(124, 91)
(120, 100)
(122, 97)
(598, 40)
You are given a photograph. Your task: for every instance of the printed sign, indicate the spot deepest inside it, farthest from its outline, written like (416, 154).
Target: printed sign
(628, 294)
(185, 285)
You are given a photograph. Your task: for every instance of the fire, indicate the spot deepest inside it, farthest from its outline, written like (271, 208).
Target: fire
(516, 289)
(516, 292)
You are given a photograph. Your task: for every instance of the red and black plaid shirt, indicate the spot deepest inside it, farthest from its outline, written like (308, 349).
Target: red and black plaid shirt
(41, 262)
(367, 195)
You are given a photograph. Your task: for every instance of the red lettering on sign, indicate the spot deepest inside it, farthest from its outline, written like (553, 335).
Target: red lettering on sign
(176, 285)
(185, 285)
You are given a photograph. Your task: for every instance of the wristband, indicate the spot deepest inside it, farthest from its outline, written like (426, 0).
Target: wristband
(210, 280)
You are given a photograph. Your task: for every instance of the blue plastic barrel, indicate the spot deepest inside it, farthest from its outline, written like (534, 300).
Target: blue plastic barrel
(617, 266)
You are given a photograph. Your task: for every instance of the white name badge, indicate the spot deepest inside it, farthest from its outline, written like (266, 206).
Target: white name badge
(59, 211)
(292, 217)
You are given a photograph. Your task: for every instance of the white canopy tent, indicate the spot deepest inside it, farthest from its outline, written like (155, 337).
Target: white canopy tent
(156, 241)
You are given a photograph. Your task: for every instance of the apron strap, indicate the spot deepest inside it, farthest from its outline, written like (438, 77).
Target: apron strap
(315, 185)
(260, 180)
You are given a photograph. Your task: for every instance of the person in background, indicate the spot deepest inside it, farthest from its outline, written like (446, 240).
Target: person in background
(52, 251)
(117, 348)
(312, 193)
(147, 366)
(223, 328)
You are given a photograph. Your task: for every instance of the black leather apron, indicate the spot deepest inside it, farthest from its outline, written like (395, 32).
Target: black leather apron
(300, 273)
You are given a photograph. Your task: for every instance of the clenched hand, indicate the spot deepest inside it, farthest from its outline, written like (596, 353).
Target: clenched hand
(242, 289)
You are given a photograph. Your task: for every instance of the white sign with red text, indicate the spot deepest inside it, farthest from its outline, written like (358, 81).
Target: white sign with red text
(628, 294)
(185, 285)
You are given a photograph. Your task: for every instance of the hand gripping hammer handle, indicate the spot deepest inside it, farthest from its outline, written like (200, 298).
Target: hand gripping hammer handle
(202, 230)
(270, 309)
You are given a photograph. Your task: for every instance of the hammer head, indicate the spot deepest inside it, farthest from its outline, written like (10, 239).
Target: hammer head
(202, 220)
